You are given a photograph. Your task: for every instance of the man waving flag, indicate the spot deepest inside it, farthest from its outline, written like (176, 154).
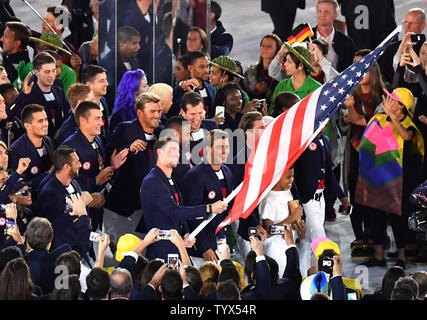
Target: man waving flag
(287, 136)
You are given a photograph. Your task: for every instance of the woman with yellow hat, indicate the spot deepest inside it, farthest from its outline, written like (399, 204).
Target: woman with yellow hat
(390, 155)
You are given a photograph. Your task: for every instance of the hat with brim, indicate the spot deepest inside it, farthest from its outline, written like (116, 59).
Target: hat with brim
(127, 242)
(300, 57)
(403, 95)
(321, 244)
(46, 43)
(224, 63)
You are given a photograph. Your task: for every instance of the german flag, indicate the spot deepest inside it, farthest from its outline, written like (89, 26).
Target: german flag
(300, 33)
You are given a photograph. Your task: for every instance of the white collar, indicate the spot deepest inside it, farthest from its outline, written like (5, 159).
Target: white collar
(329, 38)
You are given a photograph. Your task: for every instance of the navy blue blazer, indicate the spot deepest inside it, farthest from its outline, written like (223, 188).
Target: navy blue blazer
(313, 165)
(201, 186)
(67, 229)
(68, 127)
(263, 283)
(89, 159)
(179, 92)
(161, 210)
(24, 148)
(42, 266)
(56, 111)
(207, 125)
(129, 177)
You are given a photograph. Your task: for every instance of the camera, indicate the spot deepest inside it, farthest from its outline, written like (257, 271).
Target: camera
(164, 235)
(418, 38)
(252, 231)
(417, 221)
(173, 259)
(276, 230)
(326, 264)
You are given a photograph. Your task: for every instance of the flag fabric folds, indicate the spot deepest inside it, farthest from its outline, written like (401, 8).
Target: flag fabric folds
(287, 136)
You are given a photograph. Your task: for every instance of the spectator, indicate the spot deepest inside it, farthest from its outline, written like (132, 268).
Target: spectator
(207, 183)
(98, 284)
(3, 75)
(88, 52)
(15, 281)
(194, 279)
(361, 106)
(320, 296)
(368, 23)
(43, 92)
(228, 290)
(139, 136)
(77, 93)
(408, 141)
(71, 260)
(221, 40)
(258, 82)
(341, 47)
(165, 93)
(15, 41)
(389, 279)
(164, 210)
(414, 23)
(181, 72)
(96, 78)
(209, 272)
(69, 292)
(282, 15)
(133, 84)
(199, 73)
(284, 101)
(298, 67)
(171, 285)
(121, 284)
(22, 198)
(7, 254)
(323, 68)
(421, 278)
(164, 51)
(197, 40)
(223, 70)
(405, 289)
(128, 48)
(35, 145)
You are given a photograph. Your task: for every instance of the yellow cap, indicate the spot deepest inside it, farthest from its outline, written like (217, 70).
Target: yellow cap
(324, 245)
(127, 242)
(404, 96)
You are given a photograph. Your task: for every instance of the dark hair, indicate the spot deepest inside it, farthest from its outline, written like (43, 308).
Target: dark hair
(203, 39)
(222, 93)
(216, 9)
(194, 56)
(228, 290)
(41, 59)
(139, 268)
(173, 122)
(98, 284)
(5, 87)
(319, 296)
(83, 110)
(194, 279)
(191, 98)
(167, 24)
(274, 269)
(39, 233)
(62, 156)
(421, 278)
(229, 272)
(171, 285)
(260, 64)
(298, 62)
(22, 32)
(250, 265)
(213, 135)
(54, 54)
(71, 292)
(59, 10)
(389, 280)
(7, 254)
(185, 60)
(149, 271)
(405, 289)
(248, 120)
(28, 110)
(15, 281)
(284, 100)
(89, 73)
(125, 34)
(69, 260)
(163, 141)
(121, 285)
(324, 48)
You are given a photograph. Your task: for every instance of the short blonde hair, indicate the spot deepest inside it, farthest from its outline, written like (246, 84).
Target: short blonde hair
(145, 98)
(162, 90)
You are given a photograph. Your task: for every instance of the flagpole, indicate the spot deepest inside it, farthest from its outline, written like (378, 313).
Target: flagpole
(209, 219)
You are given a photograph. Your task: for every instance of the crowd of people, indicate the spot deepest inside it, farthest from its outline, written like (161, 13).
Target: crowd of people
(91, 171)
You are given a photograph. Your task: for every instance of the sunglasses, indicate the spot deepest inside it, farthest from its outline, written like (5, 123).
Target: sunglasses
(23, 193)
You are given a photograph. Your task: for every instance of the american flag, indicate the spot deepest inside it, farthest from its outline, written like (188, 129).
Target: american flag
(287, 136)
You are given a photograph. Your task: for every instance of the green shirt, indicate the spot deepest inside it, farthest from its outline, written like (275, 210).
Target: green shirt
(307, 87)
(67, 77)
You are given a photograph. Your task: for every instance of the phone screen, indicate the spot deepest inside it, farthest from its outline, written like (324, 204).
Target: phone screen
(10, 224)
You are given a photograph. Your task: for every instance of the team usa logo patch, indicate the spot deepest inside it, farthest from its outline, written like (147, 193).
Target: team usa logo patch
(211, 195)
(86, 165)
(34, 170)
(312, 146)
(2, 221)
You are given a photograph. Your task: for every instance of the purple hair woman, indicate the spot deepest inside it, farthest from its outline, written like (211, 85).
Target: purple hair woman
(133, 83)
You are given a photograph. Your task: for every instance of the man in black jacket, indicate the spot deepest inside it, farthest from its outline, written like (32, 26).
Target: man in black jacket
(221, 41)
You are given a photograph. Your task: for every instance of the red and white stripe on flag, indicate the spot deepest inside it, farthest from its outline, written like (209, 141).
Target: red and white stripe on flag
(279, 146)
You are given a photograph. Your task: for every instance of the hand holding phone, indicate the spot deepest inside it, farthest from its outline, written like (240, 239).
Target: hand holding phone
(173, 259)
